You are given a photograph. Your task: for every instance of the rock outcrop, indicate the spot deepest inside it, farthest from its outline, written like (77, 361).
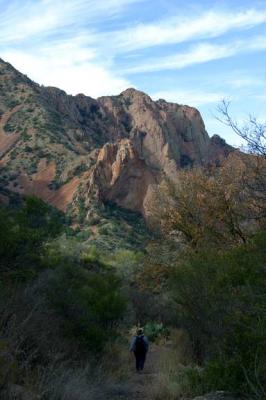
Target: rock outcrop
(111, 149)
(166, 135)
(160, 139)
(120, 176)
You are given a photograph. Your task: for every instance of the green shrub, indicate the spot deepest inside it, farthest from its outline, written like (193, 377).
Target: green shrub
(25, 136)
(155, 331)
(11, 103)
(220, 299)
(9, 127)
(22, 235)
(89, 301)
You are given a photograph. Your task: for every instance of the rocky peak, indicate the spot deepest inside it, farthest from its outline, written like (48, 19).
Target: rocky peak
(134, 94)
(123, 144)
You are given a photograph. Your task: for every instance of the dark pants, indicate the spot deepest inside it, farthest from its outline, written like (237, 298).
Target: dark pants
(140, 360)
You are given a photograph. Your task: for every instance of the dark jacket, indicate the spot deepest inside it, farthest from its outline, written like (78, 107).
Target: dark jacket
(133, 343)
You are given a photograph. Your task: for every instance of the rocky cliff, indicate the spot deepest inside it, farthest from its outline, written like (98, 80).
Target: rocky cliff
(66, 149)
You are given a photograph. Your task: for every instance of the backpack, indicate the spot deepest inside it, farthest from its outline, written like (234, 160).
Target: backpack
(140, 345)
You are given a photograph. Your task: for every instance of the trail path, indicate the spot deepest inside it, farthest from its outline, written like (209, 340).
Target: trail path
(138, 385)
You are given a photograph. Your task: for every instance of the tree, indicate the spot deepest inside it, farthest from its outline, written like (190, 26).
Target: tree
(217, 208)
(253, 132)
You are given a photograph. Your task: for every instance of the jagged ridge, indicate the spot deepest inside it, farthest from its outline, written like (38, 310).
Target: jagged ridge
(71, 148)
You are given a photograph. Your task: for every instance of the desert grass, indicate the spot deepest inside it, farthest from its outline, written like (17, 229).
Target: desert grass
(170, 361)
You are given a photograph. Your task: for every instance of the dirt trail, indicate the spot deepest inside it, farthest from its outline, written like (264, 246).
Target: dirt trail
(138, 385)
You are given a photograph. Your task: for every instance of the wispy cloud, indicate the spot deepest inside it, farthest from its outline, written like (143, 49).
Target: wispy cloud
(103, 46)
(245, 82)
(197, 54)
(54, 43)
(74, 75)
(194, 98)
(200, 53)
(180, 29)
(22, 20)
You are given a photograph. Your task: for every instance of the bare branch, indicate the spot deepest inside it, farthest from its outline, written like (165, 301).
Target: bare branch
(253, 132)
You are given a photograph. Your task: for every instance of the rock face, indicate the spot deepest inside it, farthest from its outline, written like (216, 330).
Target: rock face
(160, 139)
(166, 135)
(111, 149)
(121, 176)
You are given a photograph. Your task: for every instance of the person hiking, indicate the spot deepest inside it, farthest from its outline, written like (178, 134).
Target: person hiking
(139, 346)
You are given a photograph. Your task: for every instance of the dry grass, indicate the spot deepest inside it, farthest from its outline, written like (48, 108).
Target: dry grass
(170, 360)
(70, 384)
(117, 361)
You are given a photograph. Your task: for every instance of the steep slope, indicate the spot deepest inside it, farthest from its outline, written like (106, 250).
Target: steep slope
(159, 138)
(72, 149)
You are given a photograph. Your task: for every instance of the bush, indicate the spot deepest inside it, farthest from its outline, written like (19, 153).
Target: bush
(88, 300)
(156, 331)
(23, 233)
(220, 299)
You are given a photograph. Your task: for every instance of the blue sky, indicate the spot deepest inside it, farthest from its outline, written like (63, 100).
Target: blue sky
(188, 52)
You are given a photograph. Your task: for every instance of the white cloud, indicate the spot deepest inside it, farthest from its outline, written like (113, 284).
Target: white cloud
(244, 82)
(197, 54)
(260, 96)
(54, 44)
(191, 97)
(200, 53)
(64, 43)
(23, 20)
(67, 73)
(181, 29)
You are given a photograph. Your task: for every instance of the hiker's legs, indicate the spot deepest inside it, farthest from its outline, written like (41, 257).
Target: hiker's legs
(138, 366)
(142, 361)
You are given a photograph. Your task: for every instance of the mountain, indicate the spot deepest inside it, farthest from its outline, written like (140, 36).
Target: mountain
(77, 152)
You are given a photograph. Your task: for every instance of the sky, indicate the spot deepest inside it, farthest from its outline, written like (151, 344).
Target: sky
(188, 52)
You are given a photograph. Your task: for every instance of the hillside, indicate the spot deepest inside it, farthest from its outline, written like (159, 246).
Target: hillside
(76, 152)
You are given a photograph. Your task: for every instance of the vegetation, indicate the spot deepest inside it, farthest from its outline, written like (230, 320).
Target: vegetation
(219, 208)
(56, 308)
(65, 297)
(217, 280)
(220, 300)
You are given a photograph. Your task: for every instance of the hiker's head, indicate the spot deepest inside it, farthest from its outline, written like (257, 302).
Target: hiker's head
(140, 331)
